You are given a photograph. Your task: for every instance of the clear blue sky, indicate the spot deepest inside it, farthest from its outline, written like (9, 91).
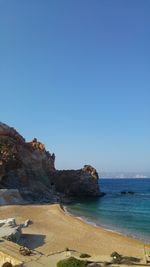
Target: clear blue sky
(76, 75)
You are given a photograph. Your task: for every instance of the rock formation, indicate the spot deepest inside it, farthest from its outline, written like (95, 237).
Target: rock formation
(24, 166)
(10, 231)
(28, 167)
(77, 183)
(12, 196)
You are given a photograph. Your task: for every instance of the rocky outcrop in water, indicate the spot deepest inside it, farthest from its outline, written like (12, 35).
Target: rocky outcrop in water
(77, 183)
(30, 168)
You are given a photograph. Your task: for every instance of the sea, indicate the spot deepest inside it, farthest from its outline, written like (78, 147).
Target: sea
(118, 211)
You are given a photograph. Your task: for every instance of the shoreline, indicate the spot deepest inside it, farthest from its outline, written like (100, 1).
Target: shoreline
(54, 230)
(86, 221)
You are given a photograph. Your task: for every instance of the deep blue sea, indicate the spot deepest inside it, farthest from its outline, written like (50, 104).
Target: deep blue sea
(124, 213)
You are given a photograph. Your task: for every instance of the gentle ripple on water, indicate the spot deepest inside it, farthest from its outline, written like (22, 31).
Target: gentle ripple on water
(124, 213)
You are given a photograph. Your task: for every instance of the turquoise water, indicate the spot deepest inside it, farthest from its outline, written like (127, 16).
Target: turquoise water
(125, 213)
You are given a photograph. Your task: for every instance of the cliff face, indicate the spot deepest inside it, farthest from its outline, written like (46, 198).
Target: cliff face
(28, 167)
(24, 166)
(77, 183)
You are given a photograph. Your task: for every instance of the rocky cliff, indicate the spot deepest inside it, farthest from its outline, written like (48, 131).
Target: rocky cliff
(28, 167)
(77, 183)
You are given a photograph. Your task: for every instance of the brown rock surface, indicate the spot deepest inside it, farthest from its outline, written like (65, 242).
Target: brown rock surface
(77, 183)
(28, 167)
(25, 166)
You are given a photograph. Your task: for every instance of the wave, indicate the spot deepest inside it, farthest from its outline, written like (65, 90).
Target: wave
(125, 209)
(107, 227)
(126, 194)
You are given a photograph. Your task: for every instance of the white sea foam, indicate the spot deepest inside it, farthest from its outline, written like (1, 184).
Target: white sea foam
(105, 227)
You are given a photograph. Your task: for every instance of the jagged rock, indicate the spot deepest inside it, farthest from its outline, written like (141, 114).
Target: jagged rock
(92, 171)
(77, 183)
(8, 222)
(24, 166)
(29, 168)
(7, 131)
(27, 223)
(10, 232)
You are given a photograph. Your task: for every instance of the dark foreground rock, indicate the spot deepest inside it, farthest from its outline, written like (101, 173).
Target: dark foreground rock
(30, 168)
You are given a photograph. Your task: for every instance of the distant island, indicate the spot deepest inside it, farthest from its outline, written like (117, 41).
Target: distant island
(124, 175)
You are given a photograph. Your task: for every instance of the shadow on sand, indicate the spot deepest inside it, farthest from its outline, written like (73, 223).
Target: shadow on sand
(32, 241)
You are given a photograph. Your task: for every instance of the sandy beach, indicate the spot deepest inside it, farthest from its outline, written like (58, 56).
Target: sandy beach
(54, 230)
